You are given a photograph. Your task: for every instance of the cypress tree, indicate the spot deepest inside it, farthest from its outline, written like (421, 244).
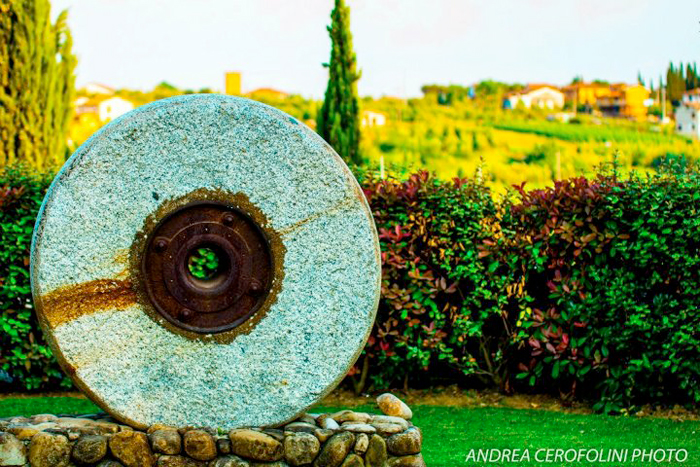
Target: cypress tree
(36, 83)
(691, 77)
(338, 120)
(640, 80)
(675, 84)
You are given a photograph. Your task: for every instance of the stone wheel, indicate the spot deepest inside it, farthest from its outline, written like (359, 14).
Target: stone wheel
(205, 260)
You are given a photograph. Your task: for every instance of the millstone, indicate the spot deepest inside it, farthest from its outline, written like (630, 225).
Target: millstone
(207, 261)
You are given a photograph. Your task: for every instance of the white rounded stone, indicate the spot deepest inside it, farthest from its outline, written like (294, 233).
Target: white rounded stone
(129, 362)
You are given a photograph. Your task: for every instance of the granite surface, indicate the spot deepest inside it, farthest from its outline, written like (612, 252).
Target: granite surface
(132, 365)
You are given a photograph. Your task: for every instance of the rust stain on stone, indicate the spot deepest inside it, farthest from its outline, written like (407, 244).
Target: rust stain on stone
(122, 256)
(72, 301)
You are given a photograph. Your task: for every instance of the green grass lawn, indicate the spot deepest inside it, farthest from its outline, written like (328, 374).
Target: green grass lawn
(451, 432)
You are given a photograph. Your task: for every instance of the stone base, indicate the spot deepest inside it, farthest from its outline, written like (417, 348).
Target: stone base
(341, 439)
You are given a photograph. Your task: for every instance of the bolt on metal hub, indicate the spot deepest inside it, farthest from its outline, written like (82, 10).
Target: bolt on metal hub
(227, 297)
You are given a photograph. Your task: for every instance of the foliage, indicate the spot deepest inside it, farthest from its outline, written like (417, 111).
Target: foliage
(25, 359)
(586, 289)
(36, 83)
(453, 138)
(582, 132)
(680, 80)
(439, 313)
(203, 263)
(338, 120)
(611, 288)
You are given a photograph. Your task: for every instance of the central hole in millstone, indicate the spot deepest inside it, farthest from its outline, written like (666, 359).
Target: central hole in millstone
(206, 267)
(204, 263)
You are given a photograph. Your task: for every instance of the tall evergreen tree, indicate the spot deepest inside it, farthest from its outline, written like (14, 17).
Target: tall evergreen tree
(675, 84)
(338, 120)
(691, 77)
(36, 83)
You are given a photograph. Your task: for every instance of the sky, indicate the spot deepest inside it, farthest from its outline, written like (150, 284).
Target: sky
(400, 44)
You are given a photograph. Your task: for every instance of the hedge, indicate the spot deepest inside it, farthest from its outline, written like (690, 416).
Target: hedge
(588, 289)
(26, 361)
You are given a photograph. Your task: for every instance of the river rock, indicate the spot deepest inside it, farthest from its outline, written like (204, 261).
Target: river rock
(306, 418)
(199, 445)
(44, 417)
(387, 429)
(356, 427)
(230, 461)
(403, 423)
(329, 424)
(223, 446)
(376, 455)
(160, 426)
(166, 441)
(408, 442)
(407, 461)
(12, 450)
(361, 443)
(335, 450)
(300, 448)
(393, 406)
(179, 461)
(49, 450)
(301, 427)
(25, 431)
(132, 449)
(255, 445)
(353, 460)
(275, 433)
(323, 435)
(89, 449)
(109, 463)
(350, 416)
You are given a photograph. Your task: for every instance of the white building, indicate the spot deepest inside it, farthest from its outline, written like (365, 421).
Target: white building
(111, 108)
(688, 114)
(543, 96)
(691, 96)
(370, 118)
(105, 109)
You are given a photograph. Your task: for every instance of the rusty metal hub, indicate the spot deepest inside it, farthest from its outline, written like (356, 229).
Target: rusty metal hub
(232, 292)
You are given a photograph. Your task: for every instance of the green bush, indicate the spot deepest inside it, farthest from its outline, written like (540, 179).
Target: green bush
(611, 274)
(25, 359)
(589, 289)
(440, 314)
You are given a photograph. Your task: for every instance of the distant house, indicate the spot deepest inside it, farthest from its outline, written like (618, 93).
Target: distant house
(585, 94)
(625, 100)
(98, 89)
(688, 114)
(692, 96)
(370, 118)
(85, 105)
(542, 96)
(268, 94)
(105, 109)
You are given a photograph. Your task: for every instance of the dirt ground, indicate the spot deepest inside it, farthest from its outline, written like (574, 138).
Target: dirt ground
(453, 396)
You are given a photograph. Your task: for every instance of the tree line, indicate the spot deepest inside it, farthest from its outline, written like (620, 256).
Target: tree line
(679, 80)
